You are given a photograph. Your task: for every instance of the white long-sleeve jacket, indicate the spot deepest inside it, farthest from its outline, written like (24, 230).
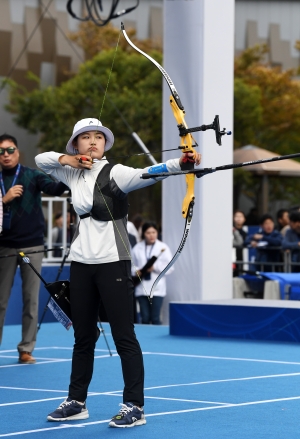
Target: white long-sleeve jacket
(141, 253)
(97, 242)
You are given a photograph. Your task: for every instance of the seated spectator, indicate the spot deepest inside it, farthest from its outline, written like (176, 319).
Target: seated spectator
(291, 240)
(265, 243)
(239, 236)
(283, 221)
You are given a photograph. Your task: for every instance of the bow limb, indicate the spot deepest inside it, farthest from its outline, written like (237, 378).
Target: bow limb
(186, 144)
(186, 231)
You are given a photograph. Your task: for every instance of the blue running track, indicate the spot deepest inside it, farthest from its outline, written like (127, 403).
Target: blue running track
(194, 388)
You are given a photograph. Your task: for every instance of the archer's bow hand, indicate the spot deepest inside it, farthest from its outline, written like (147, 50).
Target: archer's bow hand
(189, 159)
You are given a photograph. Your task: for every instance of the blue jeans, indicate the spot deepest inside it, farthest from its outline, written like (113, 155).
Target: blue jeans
(150, 313)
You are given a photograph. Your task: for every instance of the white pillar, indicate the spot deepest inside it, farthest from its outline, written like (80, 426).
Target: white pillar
(199, 57)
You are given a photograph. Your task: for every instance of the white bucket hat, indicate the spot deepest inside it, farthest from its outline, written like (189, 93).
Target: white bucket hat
(89, 124)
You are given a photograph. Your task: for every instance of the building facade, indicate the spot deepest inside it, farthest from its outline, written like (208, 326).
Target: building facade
(34, 37)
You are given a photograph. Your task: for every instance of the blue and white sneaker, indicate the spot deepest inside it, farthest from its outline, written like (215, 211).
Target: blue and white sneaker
(129, 416)
(69, 410)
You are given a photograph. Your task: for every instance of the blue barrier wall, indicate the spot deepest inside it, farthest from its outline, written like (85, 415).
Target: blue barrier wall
(280, 322)
(14, 310)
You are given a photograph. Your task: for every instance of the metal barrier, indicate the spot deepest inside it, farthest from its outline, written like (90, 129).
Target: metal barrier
(285, 266)
(50, 206)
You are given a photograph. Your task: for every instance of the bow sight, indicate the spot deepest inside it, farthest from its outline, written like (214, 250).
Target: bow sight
(183, 131)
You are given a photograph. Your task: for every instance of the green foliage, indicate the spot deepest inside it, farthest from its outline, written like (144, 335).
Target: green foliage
(247, 112)
(134, 92)
(267, 115)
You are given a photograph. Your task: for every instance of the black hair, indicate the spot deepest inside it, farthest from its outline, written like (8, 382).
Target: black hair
(265, 217)
(58, 215)
(147, 226)
(295, 216)
(8, 137)
(280, 213)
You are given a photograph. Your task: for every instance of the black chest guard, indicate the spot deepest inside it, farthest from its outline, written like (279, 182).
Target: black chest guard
(115, 206)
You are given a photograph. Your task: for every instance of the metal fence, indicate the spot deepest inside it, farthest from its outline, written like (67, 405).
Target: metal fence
(51, 206)
(286, 265)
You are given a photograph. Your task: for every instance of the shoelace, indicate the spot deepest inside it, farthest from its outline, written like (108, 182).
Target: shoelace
(125, 409)
(65, 403)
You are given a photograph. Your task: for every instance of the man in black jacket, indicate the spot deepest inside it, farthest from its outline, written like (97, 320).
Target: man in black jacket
(23, 230)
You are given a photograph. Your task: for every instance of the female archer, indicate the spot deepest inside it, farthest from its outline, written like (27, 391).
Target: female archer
(101, 263)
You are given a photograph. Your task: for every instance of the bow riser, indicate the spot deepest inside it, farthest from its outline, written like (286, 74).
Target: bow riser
(186, 143)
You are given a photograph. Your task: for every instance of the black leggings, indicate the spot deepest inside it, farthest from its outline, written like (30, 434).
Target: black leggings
(113, 284)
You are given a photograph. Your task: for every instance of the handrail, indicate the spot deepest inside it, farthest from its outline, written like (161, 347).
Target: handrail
(287, 264)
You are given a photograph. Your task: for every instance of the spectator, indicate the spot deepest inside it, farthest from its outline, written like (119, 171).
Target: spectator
(23, 230)
(283, 221)
(239, 236)
(237, 240)
(150, 247)
(264, 242)
(291, 240)
(239, 220)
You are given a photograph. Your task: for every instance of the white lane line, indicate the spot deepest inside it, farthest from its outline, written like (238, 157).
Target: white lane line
(225, 380)
(37, 358)
(186, 400)
(63, 348)
(219, 407)
(33, 401)
(53, 361)
(209, 357)
(56, 398)
(166, 386)
(118, 392)
(34, 390)
(60, 427)
(108, 394)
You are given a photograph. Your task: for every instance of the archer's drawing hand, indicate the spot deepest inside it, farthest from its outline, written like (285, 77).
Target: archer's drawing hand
(79, 161)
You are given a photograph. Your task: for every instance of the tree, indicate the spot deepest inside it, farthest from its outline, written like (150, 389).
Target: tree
(267, 114)
(247, 112)
(134, 92)
(94, 39)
